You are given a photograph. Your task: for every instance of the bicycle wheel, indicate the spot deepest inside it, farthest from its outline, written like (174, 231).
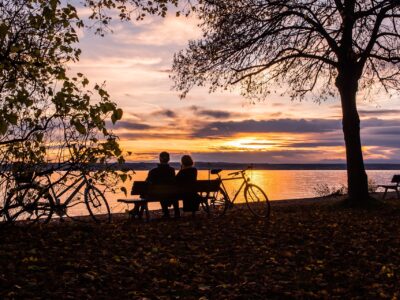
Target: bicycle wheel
(29, 203)
(217, 205)
(97, 205)
(257, 201)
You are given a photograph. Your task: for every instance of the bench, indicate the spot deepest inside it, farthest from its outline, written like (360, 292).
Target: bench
(395, 186)
(148, 192)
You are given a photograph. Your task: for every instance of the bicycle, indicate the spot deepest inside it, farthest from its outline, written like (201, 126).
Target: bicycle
(256, 199)
(34, 201)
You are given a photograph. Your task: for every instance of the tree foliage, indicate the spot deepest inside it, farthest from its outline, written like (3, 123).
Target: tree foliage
(301, 44)
(102, 12)
(48, 115)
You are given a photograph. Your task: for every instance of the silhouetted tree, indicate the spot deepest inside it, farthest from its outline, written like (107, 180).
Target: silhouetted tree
(47, 115)
(315, 46)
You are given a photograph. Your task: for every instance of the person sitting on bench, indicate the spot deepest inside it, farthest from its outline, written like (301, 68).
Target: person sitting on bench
(188, 175)
(164, 174)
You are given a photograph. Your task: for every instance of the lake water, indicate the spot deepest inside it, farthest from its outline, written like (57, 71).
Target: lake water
(278, 184)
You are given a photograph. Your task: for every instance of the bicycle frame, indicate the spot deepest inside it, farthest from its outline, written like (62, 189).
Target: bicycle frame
(83, 181)
(244, 183)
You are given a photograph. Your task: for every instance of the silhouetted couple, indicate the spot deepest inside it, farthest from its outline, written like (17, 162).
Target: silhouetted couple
(165, 174)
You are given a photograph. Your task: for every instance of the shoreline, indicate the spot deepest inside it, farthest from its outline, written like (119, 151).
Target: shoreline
(226, 166)
(283, 203)
(201, 165)
(156, 214)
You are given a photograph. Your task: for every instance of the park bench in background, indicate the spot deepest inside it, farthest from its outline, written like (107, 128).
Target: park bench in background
(395, 186)
(148, 192)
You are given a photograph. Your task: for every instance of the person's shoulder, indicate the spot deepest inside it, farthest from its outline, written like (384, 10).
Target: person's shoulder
(153, 170)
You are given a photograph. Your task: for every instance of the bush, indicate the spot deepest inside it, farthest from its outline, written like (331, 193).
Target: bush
(324, 190)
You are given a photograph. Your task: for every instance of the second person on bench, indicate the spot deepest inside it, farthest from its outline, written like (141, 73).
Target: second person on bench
(188, 175)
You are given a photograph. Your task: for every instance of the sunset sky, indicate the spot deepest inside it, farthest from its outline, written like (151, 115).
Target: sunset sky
(135, 60)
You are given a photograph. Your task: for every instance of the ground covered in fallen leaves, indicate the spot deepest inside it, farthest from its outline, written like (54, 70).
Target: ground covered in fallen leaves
(303, 251)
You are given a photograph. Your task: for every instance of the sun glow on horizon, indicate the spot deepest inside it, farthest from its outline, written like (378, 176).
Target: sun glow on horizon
(251, 143)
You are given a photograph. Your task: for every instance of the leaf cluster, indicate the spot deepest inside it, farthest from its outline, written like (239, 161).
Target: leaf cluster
(103, 12)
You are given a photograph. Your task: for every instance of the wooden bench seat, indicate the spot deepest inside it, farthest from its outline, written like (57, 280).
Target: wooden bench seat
(394, 186)
(148, 192)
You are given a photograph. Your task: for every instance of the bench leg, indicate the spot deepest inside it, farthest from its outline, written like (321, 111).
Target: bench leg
(384, 194)
(204, 204)
(146, 208)
(137, 211)
(133, 213)
(141, 210)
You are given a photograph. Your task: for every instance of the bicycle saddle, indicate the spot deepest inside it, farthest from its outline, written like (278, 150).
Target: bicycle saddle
(215, 171)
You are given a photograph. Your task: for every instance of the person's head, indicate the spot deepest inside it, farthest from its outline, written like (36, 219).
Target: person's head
(186, 161)
(164, 157)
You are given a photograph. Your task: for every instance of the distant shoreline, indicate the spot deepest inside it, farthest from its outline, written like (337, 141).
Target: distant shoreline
(237, 166)
(145, 166)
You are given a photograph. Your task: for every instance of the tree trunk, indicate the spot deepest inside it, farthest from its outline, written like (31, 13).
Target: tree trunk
(356, 176)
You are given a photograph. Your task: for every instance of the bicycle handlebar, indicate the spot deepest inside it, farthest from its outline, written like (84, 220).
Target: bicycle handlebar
(235, 173)
(240, 172)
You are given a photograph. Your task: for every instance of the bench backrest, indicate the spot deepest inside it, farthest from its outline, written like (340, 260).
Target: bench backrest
(147, 189)
(396, 179)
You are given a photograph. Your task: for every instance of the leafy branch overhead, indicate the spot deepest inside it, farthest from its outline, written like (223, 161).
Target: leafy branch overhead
(301, 44)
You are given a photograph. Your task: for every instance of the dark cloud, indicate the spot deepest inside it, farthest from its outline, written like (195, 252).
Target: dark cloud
(379, 112)
(392, 130)
(216, 114)
(165, 112)
(381, 141)
(279, 156)
(375, 122)
(150, 136)
(317, 144)
(229, 128)
(130, 125)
